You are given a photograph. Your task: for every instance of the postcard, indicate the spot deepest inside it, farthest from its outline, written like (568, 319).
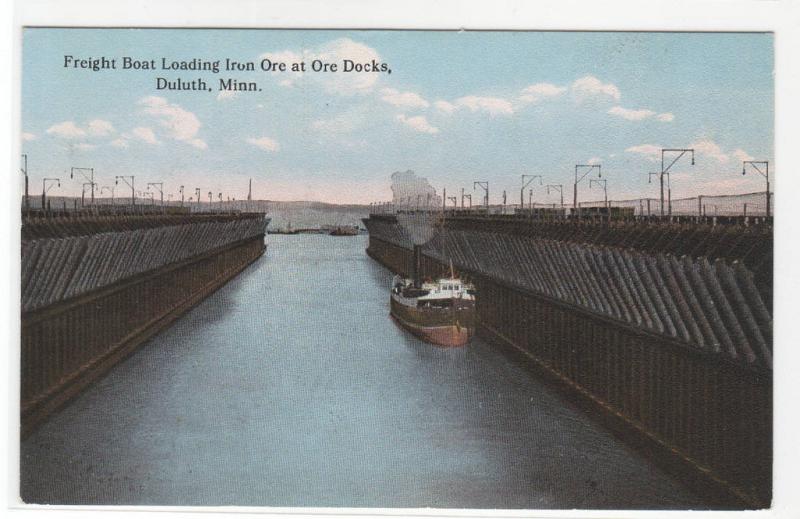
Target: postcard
(367, 269)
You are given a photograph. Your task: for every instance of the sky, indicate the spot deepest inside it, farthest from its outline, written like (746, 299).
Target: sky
(456, 107)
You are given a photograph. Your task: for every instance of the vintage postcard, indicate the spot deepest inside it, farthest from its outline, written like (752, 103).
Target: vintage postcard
(408, 269)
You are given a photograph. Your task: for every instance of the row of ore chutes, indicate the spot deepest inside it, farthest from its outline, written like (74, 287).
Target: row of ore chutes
(59, 268)
(713, 305)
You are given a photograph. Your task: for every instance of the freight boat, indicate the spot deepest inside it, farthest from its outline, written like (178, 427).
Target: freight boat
(440, 311)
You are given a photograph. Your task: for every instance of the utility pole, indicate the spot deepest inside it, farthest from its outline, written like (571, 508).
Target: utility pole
(89, 178)
(197, 190)
(45, 189)
(665, 170)
(112, 193)
(559, 188)
(525, 184)
(454, 199)
(669, 190)
(483, 184)
(160, 186)
(130, 184)
(530, 199)
(181, 190)
(589, 168)
(83, 191)
(754, 164)
(24, 170)
(250, 190)
(603, 182)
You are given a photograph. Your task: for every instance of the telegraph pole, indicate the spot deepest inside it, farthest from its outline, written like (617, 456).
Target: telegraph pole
(665, 170)
(484, 184)
(112, 193)
(754, 164)
(45, 189)
(24, 170)
(603, 182)
(89, 178)
(130, 184)
(559, 188)
(525, 184)
(181, 190)
(589, 168)
(160, 186)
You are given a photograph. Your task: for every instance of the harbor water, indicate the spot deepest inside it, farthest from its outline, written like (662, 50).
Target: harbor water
(292, 386)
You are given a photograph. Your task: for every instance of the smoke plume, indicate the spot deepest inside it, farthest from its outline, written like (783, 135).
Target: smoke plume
(411, 191)
(418, 203)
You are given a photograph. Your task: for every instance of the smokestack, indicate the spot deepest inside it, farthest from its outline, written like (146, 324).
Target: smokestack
(417, 270)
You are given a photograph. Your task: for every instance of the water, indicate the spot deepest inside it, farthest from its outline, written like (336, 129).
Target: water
(291, 386)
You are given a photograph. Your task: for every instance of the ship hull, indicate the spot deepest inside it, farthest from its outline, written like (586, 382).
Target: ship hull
(449, 328)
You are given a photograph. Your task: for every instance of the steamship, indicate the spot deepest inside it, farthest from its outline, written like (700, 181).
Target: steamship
(440, 311)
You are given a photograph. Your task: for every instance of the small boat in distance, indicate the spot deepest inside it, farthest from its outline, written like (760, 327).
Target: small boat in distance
(441, 312)
(344, 230)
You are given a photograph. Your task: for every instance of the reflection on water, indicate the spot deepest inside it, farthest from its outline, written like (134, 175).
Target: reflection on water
(291, 386)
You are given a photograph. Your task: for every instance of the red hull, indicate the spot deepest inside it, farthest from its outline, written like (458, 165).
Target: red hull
(447, 336)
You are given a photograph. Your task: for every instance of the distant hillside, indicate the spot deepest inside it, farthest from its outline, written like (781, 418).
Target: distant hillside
(303, 214)
(298, 215)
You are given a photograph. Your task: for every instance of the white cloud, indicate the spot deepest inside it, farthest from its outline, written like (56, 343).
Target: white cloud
(711, 149)
(119, 143)
(100, 128)
(418, 123)
(445, 107)
(144, 134)
(66, 130)
(226, 95)
(741, 155)
(265, 143)
(590, 87)
(343, 123)
(336, 51)
(83, 146)
(490, 105)
(26, 136)
(539, 91)
(666, 117)
(178, 123)
(650, 151)
(403, 99)
(631, 115)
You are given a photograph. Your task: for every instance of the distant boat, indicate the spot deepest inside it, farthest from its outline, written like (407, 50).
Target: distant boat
(441, 312)
(344, 230)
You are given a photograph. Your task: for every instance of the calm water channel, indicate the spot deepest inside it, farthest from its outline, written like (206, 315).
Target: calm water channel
(291, 386)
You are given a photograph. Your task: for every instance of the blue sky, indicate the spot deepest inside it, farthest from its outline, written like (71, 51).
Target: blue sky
(457, 107)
